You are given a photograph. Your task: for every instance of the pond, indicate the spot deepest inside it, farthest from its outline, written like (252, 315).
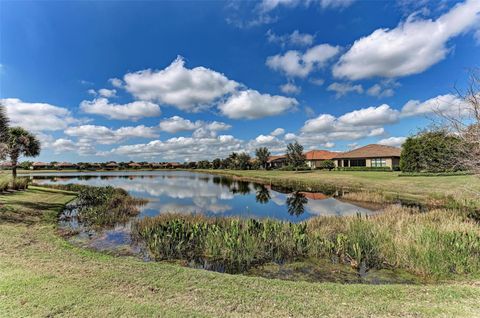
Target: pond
(212, 195)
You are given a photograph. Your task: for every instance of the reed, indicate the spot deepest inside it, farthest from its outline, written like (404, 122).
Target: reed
(435, 244)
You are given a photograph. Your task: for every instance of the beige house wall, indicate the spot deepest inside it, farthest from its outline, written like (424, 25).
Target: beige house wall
(390, 162)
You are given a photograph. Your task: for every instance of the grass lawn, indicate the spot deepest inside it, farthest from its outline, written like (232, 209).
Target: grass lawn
(418, 188)
(42, 275)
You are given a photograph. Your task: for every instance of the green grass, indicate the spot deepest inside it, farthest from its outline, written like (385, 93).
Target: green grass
(41, 275)
(426, 188)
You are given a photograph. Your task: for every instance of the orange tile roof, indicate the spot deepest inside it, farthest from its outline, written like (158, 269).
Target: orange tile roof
(320, 155)
(272, 158)
(371, 151)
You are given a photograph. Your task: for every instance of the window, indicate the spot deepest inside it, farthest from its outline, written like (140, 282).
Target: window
(379, 162)
(358, 163)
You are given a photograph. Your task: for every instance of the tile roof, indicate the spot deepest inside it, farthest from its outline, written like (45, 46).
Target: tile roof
(371, 151)
(320, 155)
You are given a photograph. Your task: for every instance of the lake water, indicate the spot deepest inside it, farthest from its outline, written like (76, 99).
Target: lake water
(212, 195)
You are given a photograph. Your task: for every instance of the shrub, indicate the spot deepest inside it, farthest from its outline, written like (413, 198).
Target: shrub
(19, 183)
(4, 183)
(327, 165)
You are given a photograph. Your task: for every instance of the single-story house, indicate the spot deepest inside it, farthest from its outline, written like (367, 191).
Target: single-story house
(372, 155)
(134, 165)
(313, 158)
(111, 165)
(6, 165)
(40, 165)
(274, 162)
(65, 165)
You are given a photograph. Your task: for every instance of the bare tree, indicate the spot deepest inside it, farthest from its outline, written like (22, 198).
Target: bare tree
(464, 123)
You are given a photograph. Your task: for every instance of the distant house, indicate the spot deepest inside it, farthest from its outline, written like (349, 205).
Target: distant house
(313, 158)
(134, 165)
(111, 166)
(275, 162)
(40, 165)
(173, 165)
(6, 165)
(372, 155)
(65, 165)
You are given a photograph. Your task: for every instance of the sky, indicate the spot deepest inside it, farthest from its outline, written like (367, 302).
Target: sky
(195, 80)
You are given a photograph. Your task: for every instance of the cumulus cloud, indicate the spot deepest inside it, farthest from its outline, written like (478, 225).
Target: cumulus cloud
(410, 48)
(295, 38)
(371, 116)
(181, 148)
(116, 82)
(290, 88)
(342, 89)
(250, 104)
(297, 64)
(377, 91)
(447, 104)
(278, 132)
(106, 136)
(63, 145)
(37, 116)
(107, 93)
(176, 123)
(132, 111)
(393, 141)
(176, 85)
(202, 129)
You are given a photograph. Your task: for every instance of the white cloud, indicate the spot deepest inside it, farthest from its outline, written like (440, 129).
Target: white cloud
(250, 104)
(262, 139)
(447, 104)
(106, 136)
(132, 111)
(317, 81)
(371, 116)
(63, 145)
(393, 141)
(378, 91)
(176, 123)
(116, 82)
(297, 64)
(410, 48)
(289, 88)
(278, 132)
(37, 116)
(107, 93)
(342, 89)
(295, 38)
(186, 89)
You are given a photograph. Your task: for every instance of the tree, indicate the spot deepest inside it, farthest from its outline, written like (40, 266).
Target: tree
(462, 119)
(296, 203)
(295, 156)
(431, 151)
(216, 163)
(262, 155)
(243, 160)
(21, 143)
(3, 133)
(233, 161)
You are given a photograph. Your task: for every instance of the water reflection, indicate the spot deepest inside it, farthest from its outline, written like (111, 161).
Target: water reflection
(187, 192)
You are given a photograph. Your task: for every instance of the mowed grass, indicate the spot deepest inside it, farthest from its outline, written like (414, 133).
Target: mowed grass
(41, 275)
(417, 188)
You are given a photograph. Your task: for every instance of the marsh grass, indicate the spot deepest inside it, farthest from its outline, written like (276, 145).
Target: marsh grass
(101, 206)
(435, 244)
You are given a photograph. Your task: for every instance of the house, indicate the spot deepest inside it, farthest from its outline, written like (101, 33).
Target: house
(40, 165)
(274, 162)
(111, 165)
(372, 155)
(134, 165)
(313, 158)
(65, 165)
(6, 165)
(173, 165)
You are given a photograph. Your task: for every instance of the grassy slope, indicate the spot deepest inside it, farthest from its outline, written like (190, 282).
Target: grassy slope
(42, 275)
(461, 186)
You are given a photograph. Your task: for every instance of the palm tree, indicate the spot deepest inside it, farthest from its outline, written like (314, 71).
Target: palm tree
(295, 156)
(296, 203)
(3, 132)
(21, 143)
(262, 155)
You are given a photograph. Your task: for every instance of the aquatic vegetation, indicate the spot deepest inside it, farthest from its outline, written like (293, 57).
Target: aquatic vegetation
(433, 244)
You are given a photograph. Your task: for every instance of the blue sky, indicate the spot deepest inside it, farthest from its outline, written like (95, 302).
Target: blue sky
(120, 80)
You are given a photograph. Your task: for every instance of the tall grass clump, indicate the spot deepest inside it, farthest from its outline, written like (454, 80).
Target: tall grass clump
(101, 206)
(226, 244)
(19, 183)
(435, 244)
(4, 183)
